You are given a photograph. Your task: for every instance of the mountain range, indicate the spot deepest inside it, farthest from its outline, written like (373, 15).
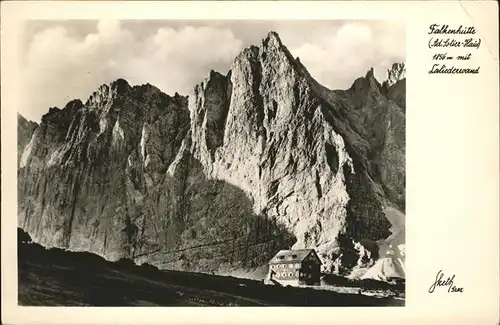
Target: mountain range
(259, 159)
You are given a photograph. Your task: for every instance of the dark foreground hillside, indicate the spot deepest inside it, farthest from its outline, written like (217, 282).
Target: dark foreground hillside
(54, 277)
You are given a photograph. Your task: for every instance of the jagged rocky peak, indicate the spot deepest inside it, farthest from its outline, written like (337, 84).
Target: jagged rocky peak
(370, 73)
(112, 98)
(370, 76)
(273, 36)
(149, 89)
(59, 117)
(273, 44)
(271, 48)
(107, 92)
(273, 41)
(365, 82)
(365, 90)
(120, 87)
(395, 73)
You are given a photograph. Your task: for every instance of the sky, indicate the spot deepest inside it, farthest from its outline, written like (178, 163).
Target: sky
(68, 59)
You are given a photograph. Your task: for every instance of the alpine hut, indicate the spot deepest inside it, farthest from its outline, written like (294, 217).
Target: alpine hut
(295, 267)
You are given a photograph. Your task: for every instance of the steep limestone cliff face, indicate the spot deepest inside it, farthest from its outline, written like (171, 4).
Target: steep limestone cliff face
(260, 159)
(284, 143)
(87, 168)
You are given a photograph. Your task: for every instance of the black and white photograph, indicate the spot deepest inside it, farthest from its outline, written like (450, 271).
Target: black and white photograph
(211, 163)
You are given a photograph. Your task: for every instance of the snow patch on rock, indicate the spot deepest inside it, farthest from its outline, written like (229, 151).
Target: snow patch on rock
(144, 139)
(391, 262)
(118, 134)
(27, 152)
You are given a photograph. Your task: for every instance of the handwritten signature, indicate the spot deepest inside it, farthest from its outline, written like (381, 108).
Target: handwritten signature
(440, 282)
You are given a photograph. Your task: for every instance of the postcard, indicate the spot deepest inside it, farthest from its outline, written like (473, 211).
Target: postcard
(294, 157)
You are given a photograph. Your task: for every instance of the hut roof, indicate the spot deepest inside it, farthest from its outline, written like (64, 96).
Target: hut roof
(291, 256)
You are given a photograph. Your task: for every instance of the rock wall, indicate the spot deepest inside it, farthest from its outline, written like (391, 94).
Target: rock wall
(260, 159)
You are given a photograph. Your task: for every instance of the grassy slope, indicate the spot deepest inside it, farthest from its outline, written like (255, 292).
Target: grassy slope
(59, 278)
